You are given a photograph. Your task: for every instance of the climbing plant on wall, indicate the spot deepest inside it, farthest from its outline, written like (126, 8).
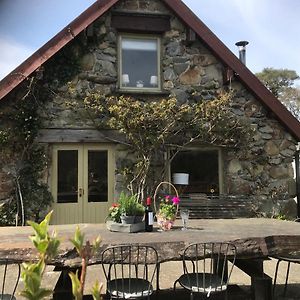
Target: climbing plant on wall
(22, 158)
(153, 127)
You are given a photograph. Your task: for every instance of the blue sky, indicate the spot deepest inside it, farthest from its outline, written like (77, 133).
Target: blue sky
(271, 27)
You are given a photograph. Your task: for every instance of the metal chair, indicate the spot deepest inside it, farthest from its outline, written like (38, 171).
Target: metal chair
(205, 268)
(10, 280)
(289, 259)
(129, 271)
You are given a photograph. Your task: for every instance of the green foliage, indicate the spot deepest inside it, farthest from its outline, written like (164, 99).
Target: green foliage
(85, 252)
(32, 273)
(32, 277)
(139, 210)
(168, 208)
(129, 205)
(63, 66)
(114, 213)
(76, 286)
(281, 83)
(96, 290)
(47, 246)
(280, 216)
(24, 158)
(277, 80)
(4, 136)
(154, 127)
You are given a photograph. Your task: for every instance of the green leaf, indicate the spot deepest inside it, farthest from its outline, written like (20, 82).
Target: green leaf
(43, 293)
(96, 290)
(78, 240)
(42, 246)
(38, 228)
(76, 286)
(96, 244)
(52, 249)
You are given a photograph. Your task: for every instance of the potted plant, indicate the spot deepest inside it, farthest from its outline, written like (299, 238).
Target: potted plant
(139, 213)
(114, 213)
(128, 210)
(167, 212)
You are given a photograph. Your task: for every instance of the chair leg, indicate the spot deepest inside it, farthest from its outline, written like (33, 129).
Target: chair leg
(174, 286)
(157, 276)
(275, 276)
(191, 296)
(286, 278)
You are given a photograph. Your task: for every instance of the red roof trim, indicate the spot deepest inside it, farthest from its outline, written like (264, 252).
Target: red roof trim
(188, 17)
(229, 59)
(54, 45)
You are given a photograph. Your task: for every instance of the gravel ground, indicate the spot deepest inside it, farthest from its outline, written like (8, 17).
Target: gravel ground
(170, 272)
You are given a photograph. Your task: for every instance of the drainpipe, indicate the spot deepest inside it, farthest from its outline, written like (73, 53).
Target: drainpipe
(242, 50)
(297, 166)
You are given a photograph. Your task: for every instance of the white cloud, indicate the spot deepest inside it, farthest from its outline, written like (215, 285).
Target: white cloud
(12, 55)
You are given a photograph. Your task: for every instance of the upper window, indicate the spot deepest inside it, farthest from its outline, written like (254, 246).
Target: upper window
(139, 63)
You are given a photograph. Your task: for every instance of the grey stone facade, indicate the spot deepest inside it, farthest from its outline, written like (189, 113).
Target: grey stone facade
(185, 68)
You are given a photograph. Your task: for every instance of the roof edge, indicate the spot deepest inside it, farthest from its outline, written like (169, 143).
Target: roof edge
(97, 9)
(242, 72)
(68, 33)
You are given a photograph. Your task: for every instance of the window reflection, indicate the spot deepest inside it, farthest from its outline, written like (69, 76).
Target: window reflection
(139, 67)
(67, 181)
(203, 169)
(98, 177)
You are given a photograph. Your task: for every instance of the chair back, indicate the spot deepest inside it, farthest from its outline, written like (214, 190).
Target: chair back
(130, 270)
(206, 266)
(9, 279)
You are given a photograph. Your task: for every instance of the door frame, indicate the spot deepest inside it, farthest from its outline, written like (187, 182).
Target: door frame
(80, 212)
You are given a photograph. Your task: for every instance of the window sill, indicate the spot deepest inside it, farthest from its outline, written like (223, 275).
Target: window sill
(143, 92)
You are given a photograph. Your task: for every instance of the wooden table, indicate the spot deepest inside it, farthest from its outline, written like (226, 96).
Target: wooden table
(255, 239)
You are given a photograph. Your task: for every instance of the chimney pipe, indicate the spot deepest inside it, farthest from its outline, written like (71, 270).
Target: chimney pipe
(242, 50)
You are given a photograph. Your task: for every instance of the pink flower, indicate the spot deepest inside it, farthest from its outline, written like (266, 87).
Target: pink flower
(175, 200)
(167, 198)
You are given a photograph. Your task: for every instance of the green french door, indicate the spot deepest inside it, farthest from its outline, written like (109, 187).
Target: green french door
(82, 183)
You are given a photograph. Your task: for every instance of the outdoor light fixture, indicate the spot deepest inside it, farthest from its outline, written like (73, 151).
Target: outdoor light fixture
(181, 178)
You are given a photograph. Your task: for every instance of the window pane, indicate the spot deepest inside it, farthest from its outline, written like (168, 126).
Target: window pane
(98, 177)
(203, 170)
(67, 177)
(139, 63)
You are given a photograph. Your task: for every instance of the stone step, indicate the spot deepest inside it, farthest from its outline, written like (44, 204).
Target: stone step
(217, 207)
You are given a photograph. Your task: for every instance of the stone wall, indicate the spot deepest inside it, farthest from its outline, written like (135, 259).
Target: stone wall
(185, 68)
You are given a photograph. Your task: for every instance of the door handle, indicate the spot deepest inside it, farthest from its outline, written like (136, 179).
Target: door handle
(80, 192)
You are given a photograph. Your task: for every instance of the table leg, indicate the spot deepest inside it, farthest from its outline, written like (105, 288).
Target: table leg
(63, 287)
(261, 283)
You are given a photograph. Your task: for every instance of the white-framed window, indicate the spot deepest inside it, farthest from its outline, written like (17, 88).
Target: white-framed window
(139, 62)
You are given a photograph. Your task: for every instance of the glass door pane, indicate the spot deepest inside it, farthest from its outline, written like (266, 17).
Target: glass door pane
(67, 176)
(97, 176)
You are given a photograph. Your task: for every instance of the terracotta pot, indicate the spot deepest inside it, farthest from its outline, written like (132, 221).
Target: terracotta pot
(165, 224)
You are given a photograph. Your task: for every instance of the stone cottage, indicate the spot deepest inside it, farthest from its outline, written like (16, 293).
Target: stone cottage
(151, 50)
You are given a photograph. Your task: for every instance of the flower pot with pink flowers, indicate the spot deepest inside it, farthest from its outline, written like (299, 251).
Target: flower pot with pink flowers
(167, 209)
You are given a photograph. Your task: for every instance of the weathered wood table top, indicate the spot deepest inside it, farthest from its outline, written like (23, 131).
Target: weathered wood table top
(254, 238)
